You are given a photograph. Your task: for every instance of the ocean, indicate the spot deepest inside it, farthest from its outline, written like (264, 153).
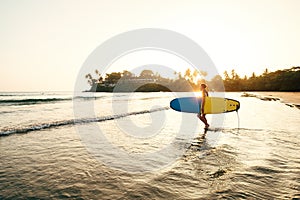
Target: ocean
(57, 145)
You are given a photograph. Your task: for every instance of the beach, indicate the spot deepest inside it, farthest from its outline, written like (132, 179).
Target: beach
(133, 146)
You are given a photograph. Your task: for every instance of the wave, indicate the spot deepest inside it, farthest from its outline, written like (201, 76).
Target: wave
(5, 112)
(32, 101)
(43, 126)
(29, 101)
(12, 94)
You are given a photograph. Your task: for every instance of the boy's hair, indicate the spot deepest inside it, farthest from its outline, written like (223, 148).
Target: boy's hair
(203, 85)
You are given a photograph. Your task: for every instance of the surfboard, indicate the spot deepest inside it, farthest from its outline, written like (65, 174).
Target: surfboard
(213, 105)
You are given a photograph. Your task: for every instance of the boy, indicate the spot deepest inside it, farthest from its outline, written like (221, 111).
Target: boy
(201, 114)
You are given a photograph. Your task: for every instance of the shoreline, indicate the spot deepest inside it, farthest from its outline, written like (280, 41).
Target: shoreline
(285, 97)
(291, 99)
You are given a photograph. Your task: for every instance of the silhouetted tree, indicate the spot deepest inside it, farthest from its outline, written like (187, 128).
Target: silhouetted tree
(113, 77)
(280, 80)
(127, 74)
(147, 73)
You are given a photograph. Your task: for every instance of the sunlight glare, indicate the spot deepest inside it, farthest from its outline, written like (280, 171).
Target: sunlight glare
(198, 93)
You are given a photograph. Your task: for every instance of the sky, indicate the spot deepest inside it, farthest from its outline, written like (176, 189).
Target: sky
(44, 43)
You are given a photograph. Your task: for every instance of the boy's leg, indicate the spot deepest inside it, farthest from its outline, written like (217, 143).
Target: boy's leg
(204, 120)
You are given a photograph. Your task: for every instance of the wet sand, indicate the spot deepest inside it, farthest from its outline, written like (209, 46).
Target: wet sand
(285, 97)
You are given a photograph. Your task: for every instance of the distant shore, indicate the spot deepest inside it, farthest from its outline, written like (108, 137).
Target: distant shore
(286, 80)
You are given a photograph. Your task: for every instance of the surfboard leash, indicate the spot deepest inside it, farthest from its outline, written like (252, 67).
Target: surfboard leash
(238, 116)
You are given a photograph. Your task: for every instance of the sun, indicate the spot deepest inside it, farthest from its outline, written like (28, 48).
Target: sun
(198, 93)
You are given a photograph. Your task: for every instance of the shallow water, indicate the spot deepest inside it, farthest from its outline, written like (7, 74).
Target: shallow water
(146, 150)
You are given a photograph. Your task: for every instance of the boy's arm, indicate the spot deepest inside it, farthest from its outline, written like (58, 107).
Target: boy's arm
(203, 103)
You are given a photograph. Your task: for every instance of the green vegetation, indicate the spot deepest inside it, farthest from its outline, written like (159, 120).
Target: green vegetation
(281, 80)
(147, 81)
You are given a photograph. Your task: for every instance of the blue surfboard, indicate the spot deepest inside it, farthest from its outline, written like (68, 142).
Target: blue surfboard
(213, 105)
